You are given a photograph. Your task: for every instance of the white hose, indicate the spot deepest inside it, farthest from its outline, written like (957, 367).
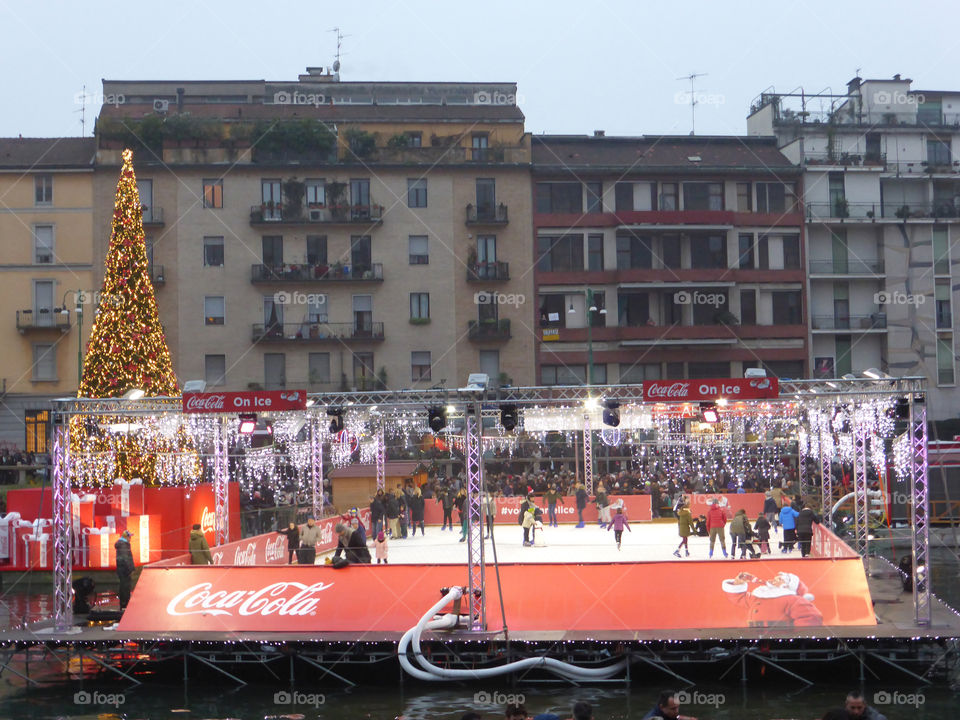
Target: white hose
(434, 672)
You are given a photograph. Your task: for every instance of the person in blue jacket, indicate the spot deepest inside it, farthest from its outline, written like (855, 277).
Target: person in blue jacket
(788, 521)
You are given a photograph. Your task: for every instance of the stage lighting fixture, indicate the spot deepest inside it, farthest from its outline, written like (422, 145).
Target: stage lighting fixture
(248, 423)
(508, 416)
(336, 424)
(901, 411)
(611, 413)
(437, 418)
(708, 412)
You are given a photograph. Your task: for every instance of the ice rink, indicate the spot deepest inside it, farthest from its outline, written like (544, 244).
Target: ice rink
(648, 541)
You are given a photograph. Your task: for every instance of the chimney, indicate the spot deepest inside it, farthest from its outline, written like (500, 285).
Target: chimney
(180, 92)
(897, 76)
(599, 133)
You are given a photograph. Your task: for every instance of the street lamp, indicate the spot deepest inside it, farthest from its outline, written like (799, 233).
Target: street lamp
(591, 308)
(80, 299)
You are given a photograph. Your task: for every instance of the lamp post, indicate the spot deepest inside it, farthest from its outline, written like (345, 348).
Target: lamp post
(80, 298)
(591, 308)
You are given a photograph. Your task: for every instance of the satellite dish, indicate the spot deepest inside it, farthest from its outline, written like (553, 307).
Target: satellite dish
(336, 66)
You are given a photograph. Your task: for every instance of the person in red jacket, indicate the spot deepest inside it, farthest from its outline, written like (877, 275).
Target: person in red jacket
(716, 522)
(781, 602)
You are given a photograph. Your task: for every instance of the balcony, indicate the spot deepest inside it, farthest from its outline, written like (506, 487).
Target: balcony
(45, 319)
(871, 212)
(334, 215)
(851, 266)
(157, 275)
(489, 330)
(487, 214)
(317, 332)
(488, 271)
(824, 157)
(850, 323)
(153, 216)
(297, 273)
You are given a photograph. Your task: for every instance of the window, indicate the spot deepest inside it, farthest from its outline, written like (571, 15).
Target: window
(560, 253)
(669, 195)
(479, 144)
(598, 319)
(43, 303)
(360, 198)
(944, 315)
(712, 311)
(490, 363)
(938, 151)
(274, 371)
(559, 197)
(553, 310)
(623, 196)
(670, 251)
(361, 255)
(316, 249)
(748, 307)
(486, 198)
(45, 362)
(363, 313)
(488, 310)
(213, 193)
(594, 197)
(744, 197)
(703, 370)
(941, 252)
(634, 374)
(215, 369)
(775, 197)
(633, 309)
(945, 359)
(420, 365)
(37, 424)
(43, 189)
(708, 251)
(702, 196)
(417, 192)
(563, 374)
(213, 251)
(671, 310)
(272, 199)
(599, 375)
(420, 306)
(633, 252)
(145, 191)
(595, 252)
(43, 244)
(273, 315)
(315, 192)
(317, 308)
(318, 368)
(272, 250)
(786, 307)
(763, 253)
(838, 198)
(213, 310)
(746, 251)
(675, 371)
(487, 256)
(363, 374)
(414, 139)
(791, 252)
(419, 250)
(784, 368)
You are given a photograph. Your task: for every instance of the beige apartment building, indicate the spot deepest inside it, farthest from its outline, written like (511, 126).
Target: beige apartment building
(331, 235)
(46, 279)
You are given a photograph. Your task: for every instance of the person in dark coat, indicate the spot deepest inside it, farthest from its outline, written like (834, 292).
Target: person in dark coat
(461, 502)
(762, 528)
(416, 504)
(350, 546)
(582, 498)
(805, 523)
(124, 567)
(199, 548)
(293, 540)
(392, 509)
(376, 513)
(445, 497)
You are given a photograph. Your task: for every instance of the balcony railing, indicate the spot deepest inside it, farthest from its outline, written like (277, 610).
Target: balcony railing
(888, 211)
(43, 320)
(489, 330)
(157, 275)
(851, 266)
(876, 321)
(487, 214)
(302, 273)
(316, 332)
(845, 159)
(152, 215)
(488, 271)
(328, 215)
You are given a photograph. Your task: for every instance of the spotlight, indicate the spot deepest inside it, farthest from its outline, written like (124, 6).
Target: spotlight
(437, 418)
(336, 424)
(508, 416)
(901, 411)
(248, 423)
(708, 413)
(611, 413)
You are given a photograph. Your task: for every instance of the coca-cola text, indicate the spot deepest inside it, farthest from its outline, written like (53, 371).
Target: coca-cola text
(269, 600)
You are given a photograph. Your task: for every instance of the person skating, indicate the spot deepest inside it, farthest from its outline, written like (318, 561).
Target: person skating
(446, 499)
(529, 518)
(460, 501)
(553, 497)
(716, 522)
(293, 540)
(806, 519)
(391, 505)
(376, 513)
(684, 527)
(738, 533)
(603, 517)
(617, 524)
(309, 537)
(582, 498)
(489, 507)
(788, 521)
(382, 548)
(762, 528)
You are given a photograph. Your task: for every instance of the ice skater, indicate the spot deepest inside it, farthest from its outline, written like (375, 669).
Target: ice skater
(382, 547)
(617, 524)
(684, 526)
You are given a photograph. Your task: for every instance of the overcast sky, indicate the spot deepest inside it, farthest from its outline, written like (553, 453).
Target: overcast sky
(580, 66)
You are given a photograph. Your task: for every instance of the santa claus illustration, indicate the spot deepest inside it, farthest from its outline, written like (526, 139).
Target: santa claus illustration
(783, 601)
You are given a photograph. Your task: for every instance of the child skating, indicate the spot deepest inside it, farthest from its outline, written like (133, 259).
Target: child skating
(382, 548)
(617, 524)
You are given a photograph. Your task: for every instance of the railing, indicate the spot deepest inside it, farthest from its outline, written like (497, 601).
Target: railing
(293, 272)
(485, 271)
(334, 214)
(316, 332)
(826, 157)
(152, 215)
(487, 214)
(843, 117)
(888, 210)
(42, 320)
(850, 266)
(921, 167)
(877, 321)
(495, 330)
(156, 275)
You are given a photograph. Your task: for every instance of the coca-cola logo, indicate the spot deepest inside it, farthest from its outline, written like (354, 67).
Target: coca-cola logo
(673, 390)
(246, 556)
(274, 599)
(207, 521)
(326, 533)
(196, 402)
(274, 549)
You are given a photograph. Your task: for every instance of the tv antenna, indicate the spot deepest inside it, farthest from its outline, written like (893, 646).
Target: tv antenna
(83, 112)
(340, 37)
(693, 100)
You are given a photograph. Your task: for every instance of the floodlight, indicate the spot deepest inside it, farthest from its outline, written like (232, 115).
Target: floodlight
(708, 412)
(437, 418)
(611, 413)
(508, 416)
(248, 423)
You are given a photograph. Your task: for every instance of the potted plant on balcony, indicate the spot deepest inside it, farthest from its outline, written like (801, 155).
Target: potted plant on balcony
(382, 378)
(841, 207)
(903, 212)
(293, 193)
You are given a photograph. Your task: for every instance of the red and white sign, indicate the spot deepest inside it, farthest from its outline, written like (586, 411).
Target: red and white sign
(696, 390)
(231, 402)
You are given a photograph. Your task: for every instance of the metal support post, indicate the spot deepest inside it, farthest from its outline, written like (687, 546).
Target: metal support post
(860, 516)
(921, 509)
(316, 467)
(587, 455)
(381, 458)
(62, 529)
(826, 473)
(221, 483)
(473, 431)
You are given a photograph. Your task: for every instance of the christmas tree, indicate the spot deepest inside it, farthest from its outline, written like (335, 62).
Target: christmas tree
(128, 350)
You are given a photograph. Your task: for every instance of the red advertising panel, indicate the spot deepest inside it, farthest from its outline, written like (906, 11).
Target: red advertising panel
(775, 593)
(229, 402)
(696, 390)
(635, 507)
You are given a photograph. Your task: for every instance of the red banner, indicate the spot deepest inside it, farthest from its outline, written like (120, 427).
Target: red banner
(230, 402)
(708, 390)
(636, 507)
(775, 593)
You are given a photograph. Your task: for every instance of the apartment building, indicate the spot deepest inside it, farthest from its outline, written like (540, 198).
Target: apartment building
(686, 252)
(46, 280)
(331, 235)
(882, 214)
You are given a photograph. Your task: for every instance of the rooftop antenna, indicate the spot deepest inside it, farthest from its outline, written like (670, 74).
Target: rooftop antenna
(336, 62)
(83, 112)
(693, 100)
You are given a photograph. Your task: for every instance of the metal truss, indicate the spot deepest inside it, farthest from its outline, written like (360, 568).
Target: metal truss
(316, 467)
(587, 454)
(860, 502)
(221, 482)
(826, 477)
(381, 458)
(806, 488)
(475, 545)
(62, 531)
(921, 509)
